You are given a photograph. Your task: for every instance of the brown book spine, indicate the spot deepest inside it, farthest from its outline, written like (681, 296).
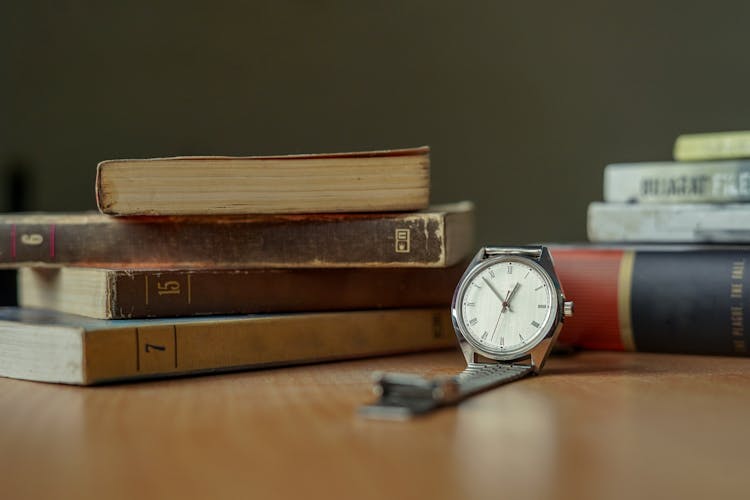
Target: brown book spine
(183, 348)
(144, 294)
(126, 294)
(327, 240)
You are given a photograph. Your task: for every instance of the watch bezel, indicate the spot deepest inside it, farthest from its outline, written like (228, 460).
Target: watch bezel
(548, 328)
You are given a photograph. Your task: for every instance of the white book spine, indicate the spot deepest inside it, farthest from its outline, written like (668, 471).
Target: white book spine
(669, 223)
(677, 182)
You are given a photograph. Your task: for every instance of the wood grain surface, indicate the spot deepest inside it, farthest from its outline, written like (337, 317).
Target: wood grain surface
(594, 425)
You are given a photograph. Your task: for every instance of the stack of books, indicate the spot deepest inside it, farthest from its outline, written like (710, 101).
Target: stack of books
(702, 197)
(202, 264)
(667, 272)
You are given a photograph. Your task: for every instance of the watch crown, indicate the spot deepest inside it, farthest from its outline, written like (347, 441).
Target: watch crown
(568, 309)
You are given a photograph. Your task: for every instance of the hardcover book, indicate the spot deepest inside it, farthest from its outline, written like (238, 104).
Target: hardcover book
(669, 223)
(438, 237)
(54, 347)
(376, 181)
(712, 146)
(678, 182)
(669, 299)
(136, 293)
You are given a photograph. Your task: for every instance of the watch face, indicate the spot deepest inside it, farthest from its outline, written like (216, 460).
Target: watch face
(506, 306)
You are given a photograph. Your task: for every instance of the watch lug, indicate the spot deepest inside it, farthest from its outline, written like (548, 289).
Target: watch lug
(480, 255)
(540, 352)
(545, 260)
(467, 350)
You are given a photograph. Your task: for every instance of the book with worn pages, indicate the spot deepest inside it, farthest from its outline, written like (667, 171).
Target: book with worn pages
(144, 293)
(437, 237)
(374, 181)
(54, 347)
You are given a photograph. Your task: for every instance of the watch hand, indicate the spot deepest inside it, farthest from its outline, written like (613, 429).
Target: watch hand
(494, 290)
(505, 302)
(497, 323)
(499, 317)
(509, 297)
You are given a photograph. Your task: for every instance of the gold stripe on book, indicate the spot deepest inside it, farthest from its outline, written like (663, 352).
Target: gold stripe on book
(624, 287)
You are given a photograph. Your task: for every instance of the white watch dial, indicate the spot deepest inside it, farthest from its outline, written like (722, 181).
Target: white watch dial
(506, 307)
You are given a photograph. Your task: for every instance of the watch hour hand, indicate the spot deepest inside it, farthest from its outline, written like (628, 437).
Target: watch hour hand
(506, 302)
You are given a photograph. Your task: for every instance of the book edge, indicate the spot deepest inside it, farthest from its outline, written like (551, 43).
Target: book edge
(379, 153)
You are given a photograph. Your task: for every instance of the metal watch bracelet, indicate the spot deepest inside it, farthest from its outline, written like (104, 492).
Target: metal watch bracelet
(402, 396)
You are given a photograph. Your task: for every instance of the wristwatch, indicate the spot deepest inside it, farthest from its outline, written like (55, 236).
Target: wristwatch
(507, 310)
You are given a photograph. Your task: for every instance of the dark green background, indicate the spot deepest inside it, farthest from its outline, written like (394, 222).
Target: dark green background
(523, 103)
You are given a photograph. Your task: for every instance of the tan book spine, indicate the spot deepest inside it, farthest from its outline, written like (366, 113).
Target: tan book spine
(183, 348)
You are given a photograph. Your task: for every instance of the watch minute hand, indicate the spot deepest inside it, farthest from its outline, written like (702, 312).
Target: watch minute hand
(494, 290)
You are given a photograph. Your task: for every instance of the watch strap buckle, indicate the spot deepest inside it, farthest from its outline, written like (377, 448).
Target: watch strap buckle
(402, 396)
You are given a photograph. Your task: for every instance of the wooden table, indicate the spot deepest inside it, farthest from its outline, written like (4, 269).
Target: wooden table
(595, 425)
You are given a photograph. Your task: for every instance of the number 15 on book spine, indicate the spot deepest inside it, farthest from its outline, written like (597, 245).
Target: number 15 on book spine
(173, 288)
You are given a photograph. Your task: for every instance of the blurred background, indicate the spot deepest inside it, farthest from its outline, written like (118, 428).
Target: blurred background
(523, 103)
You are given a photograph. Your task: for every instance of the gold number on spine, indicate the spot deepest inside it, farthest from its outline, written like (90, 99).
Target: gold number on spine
(168, 287)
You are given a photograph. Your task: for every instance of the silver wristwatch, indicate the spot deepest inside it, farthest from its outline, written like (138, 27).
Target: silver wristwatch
(507, 310)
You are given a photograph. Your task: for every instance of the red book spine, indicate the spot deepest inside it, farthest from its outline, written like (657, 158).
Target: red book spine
(591, 278)
(670, 299)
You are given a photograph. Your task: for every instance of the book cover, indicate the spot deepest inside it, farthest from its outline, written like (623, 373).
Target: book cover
(54, 347)
(438, 237)
(667, 299)
(374, 181)
(678, 182)
(712, 146)
(139, 293)
(669, 223)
